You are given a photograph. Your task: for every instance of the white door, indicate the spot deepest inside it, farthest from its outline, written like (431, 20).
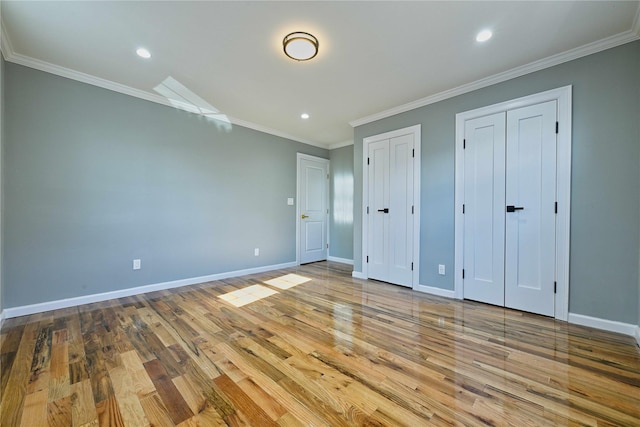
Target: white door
(390, 206)
(313, 179)
(509, 208)
(531, 223)
(484, 207)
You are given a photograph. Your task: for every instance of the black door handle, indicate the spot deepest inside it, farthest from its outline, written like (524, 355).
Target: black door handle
(511, 208)
(385, 210)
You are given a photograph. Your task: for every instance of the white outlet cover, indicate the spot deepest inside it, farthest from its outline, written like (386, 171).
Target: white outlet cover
(256, 252)
(290, 201)
(137, 264)
(441, 269)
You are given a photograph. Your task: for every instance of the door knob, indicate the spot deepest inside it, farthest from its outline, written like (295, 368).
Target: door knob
(511, 208)
(385, 210)
(303, 216)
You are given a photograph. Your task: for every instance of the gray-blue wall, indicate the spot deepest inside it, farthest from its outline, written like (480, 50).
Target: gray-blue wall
(95, 179)
(1, 180)
(341, 219)
(605, 201)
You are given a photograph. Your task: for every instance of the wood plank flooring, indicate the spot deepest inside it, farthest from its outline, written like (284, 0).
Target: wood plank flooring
(310, 346)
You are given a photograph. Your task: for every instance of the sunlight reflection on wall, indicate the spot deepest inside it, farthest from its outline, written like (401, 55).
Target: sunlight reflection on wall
(181, 97)
(343, 199)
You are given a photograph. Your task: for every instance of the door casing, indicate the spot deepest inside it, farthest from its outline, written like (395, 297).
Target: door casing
(563, 187)
(416, 131)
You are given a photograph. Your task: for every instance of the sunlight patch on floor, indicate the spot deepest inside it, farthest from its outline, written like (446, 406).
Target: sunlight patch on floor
(287, 281)
(247, 295)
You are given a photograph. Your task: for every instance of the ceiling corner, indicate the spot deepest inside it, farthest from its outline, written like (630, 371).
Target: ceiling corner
(5, 42)
(635, 28)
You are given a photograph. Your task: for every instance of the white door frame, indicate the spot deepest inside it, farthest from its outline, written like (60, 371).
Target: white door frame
(563, 190)
(299, 157)
(416, 131)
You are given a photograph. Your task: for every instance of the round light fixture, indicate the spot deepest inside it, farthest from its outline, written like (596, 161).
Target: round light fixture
(143, 53)
(304, 116)
(484, 35)
(300, 46)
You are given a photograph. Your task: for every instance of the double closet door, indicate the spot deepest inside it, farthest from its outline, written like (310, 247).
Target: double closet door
(510, 208)
(390, 209)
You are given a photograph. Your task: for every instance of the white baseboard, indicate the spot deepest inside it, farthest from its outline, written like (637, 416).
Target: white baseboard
(358, 275)
(87, 299)
(638, 335)
(1, 318)
(607, 325)
(340, 260)
(435, 291)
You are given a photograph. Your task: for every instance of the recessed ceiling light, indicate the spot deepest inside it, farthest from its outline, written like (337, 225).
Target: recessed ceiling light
(304, 116)
(143, 53)
(484, 35)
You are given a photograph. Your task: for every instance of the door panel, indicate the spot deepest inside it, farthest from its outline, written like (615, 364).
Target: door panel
(313, 209)
(400, 202)
(378, 237)
(530, 232)
(484, 183)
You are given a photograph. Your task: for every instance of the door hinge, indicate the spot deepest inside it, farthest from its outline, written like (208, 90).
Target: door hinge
(556, 207)
(413, 152)
(367, 259)
(463, 208)
(557, 127)
(555, 287)
(464, 144)
(463, 273)
(327, 176)
(367, 210)
(327, 210)
(327, 246)
(411, 210)
(368, 159)
(411, 266)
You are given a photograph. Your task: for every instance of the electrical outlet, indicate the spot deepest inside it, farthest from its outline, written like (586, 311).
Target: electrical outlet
(441, 269)
(256, 251)
(137, 264)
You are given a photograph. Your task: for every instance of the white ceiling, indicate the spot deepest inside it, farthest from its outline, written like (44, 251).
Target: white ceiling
(374, 59)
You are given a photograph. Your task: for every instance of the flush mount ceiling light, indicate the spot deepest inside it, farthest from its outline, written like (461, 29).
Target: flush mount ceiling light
(304, 116)
(143, 53)
(484, 35)
(300, 46)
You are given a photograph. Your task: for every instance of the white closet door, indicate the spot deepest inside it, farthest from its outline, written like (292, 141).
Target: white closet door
(400, 203)
(390, 234)
(484, 195)
(531, 226)
(378, 236)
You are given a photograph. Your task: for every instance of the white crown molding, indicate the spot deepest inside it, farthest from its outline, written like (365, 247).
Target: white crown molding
(579, 52)
(341, 144)
(47, 67)
(105, 296)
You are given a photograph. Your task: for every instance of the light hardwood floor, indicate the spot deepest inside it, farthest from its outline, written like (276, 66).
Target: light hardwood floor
(317, 349)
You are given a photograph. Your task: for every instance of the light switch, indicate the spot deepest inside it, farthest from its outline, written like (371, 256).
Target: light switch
(290, 201)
